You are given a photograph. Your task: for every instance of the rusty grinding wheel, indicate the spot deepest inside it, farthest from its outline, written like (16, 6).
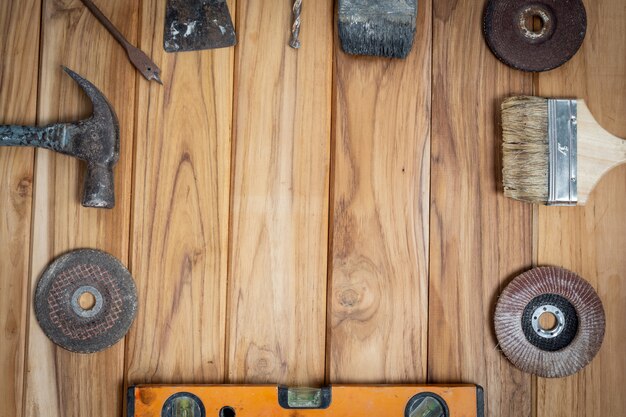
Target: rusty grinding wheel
(573, 338)
(85, 301)
(512, 37)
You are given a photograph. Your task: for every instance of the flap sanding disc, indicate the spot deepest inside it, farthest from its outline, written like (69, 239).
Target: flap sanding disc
(514, 39)
(573, 337)
(100, 321)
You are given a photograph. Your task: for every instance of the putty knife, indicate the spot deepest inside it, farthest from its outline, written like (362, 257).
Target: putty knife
(193, 25)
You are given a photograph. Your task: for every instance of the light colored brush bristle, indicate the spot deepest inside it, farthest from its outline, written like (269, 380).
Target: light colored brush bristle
(525, 149)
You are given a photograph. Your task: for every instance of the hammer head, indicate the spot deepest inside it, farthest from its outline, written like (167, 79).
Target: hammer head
(96, 141)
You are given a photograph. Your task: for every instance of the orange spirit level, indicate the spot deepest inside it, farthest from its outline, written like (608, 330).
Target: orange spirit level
(338, 400)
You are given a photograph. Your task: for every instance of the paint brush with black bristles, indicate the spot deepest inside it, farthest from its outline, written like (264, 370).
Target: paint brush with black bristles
(383, 28)
(554, 152)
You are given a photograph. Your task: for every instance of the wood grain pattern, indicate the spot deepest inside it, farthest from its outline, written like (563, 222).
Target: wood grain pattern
(60, 383)
(479, 239)
(301, 217)
(591, 240)
(598, 152)
(278, 256)
(19, 48)
(378, 307)
(180, 212)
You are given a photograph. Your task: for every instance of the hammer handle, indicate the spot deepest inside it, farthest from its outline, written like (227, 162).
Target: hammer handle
(48, 137)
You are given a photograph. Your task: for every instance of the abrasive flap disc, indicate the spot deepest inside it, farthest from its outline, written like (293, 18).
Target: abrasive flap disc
(534, 35)
(85, 301)
(549, 322)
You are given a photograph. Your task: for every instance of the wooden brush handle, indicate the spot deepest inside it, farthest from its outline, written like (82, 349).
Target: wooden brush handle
(598, 152)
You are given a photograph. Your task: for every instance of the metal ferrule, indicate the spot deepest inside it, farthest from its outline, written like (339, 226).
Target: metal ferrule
(562, 171)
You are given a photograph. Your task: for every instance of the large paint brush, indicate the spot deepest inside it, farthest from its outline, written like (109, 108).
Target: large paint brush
(554, 151)
(377, 27)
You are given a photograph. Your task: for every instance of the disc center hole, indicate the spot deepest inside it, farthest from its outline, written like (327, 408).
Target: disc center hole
(548, 321)
(87, 301)
(534, 23)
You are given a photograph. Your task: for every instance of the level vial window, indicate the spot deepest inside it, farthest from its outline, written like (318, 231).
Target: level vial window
(426, 405)
(183, 405)
(304, 397)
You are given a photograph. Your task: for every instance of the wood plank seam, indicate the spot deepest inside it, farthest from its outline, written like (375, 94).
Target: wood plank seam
(534, 263)
(331, 204)
(430, 185)
(133, 196)
(231, 198)
(18, 187)
(32, 219)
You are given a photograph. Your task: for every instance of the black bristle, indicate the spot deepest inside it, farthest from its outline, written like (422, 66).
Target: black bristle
(378, 28)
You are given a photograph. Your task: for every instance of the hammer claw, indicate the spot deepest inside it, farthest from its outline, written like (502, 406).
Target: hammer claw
(95, 140)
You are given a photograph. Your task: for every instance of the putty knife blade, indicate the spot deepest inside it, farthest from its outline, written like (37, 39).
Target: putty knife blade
(193, 25)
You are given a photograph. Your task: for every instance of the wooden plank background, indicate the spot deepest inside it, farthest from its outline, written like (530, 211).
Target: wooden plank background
(300, 217)
(479, 238)
(378, 307)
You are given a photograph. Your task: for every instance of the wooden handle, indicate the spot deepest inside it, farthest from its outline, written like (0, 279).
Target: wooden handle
(598, 152)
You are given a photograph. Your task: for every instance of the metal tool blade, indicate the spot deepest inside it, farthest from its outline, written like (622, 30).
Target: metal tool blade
(193, 25)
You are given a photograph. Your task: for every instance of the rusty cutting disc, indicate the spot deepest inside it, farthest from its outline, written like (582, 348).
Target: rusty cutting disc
(557, 36)
(67, 320)
(573, 339)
